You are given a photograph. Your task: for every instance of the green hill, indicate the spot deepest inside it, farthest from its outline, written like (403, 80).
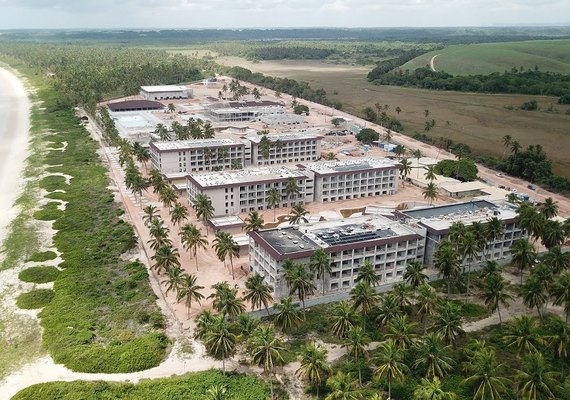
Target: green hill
(486, 58)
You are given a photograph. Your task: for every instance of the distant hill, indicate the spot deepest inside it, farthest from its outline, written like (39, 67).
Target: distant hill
(486, 58)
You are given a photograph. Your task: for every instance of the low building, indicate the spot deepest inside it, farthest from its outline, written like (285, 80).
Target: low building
(236, 192)
(234, 111)
(352, 179)
(438, 220)
(286, 148)
(197, 155)
(135, 105)
(165, 92)
(389, 245)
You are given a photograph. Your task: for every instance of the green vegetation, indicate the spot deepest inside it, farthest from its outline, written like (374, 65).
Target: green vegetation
(187, 387)
(39, 274)
(465, 169)
(53, 182)
(37, 298)
(42, 256)
(367, 135)
(49, 212)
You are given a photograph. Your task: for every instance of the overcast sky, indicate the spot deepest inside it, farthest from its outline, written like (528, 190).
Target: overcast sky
(16, 14)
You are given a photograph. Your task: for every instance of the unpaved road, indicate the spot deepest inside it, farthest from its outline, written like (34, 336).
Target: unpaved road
(432, 62)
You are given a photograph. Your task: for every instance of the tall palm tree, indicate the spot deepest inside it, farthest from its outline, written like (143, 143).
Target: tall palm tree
(402, 293)
(258, 292)
(427, 301)
(552, 234)
(342, 386)
(534, 295)
(558, 260)
(204, 321)
(173, 279)
(448, 323)
(388, 307)
(414, 275)
(432, 357)
(273, 199)
(405, 169)
(493, 231)
(342, 317)
(253, 222)
(164, 258)
(178, 214)
(287, 315)
(432, 390)
(456, 232)
(389, 364)
(468, 248)
(192, 240)
(559, 338)
(367, 274)
(156, 180)
(189, 291)
(150, 212)
(266, 351)
(485, 376)
(507, 140)
(549, 208)
(364, 298)
(401, 331)
(168, 196)
(220, 342)
(355, 343)
(300, 281)
(417, 154)
(320, 264)
(226, 247)
(560, 291)
(298, 214)
(313, 364)
(535, 380)
(226, 301)
(523, 255)
(291, 188)
(496, 293)
(202, 205)
(522, 335)
(430, 173)
(446, 261)
(159, 234)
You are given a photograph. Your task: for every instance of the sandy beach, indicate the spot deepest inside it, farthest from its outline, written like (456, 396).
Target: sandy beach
(14, 129)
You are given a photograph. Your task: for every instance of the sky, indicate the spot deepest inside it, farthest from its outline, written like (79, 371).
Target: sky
(102, 14)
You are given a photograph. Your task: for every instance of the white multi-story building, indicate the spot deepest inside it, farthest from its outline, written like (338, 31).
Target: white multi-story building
(197, 155)
(438, 220)
(165, 92)
(292, 147)
(235, 111)
(235, 192)
(389, 245)
(352, 179)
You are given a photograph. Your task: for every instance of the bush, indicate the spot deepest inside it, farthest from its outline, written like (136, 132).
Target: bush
(49, 212)
(529, 105)
(367, 136)
(43, 256)
(39, 274)
(37, 298)
(301, 109)
(53, 182)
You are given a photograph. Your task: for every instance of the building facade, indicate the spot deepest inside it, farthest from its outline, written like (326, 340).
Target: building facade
(165, 92)
(236, 111)
(236, 192)
(197, 155)
(389, 245)
(284, 149)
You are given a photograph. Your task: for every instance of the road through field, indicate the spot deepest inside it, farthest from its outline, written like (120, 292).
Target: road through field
(432, 62)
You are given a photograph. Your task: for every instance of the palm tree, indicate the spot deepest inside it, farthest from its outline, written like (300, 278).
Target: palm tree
(402, 293)
(189, 290)
(258, 292)
(491, 267)
(432, 390)
(220, 342)
(204, 321)
(246, 324)
(446, 261)
(207, 154)
(192, 239)
(430, 173)
(558, 260)
(273, 199)
(552, 234)
(414, 275)
(343, 387)
(560, 291)
(159, 234)
(496, 293)
(162, 132)
(343, 318)
(523, 255)
(355, 344)
(291, 188)
(389, 364)
(417, 154)
(313, 364)
(515, 147)
(266, 351)
(456, 232)
(202, 205)
(549, 208)
(178, 214)
(297, 215)
(405, 169)
(226, 301)
(300, 281)
(427, 301)
(448, 322)
(534, 380)
(469, 246)
(493, 231)
(226, 247)
(253, 222)
(164, 258)
(399, 150)
(173, 279)
(432, 357)
(364, 298)
(388, 308)
(559, 338)
(534, 295)
(286, 313)
(320, 264)
(367, 274)
(150, 212)
(156, 180)
(401, 331)
(522, 335)
(485, 376)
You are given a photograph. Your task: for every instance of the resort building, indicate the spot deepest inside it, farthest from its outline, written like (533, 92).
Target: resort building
(283, 149)
(197, 155)
(165, 92)
(135, 105)
(235, 192)
(352, 179)
(389, 245)
(438, 220)
(234, 111)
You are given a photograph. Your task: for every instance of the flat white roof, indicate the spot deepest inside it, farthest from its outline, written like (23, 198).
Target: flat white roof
(330, 167)
(193, 144)
(226, 221)
(285, 136)
(163, 88)
(250, 175)
(459, 187)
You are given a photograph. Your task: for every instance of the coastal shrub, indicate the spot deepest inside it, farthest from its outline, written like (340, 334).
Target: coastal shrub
(193, 386)
(56, 196)
(43, 256)
(53, 182)
(49, 212)
(39, 274)
(36, 298)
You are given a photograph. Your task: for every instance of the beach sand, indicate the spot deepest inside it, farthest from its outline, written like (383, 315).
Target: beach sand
(14, 129)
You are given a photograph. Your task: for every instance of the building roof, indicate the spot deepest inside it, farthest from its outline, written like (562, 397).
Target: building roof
(261, 103)
(133, 105)
(347, 166)
(462, 187)
(247, 176)
(164, 88)
(178, 145)
(226, 222)
(287, 137)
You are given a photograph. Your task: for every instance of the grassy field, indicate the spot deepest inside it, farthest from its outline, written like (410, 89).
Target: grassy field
(486, 58)
(479, 120)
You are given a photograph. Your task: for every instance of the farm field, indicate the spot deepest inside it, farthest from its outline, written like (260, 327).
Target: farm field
(486, 58)
(479, 120)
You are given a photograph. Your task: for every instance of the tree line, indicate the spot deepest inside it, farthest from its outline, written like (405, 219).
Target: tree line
(385, 66)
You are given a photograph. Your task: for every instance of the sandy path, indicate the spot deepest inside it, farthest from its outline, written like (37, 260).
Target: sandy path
(432, 62)
(14, 128)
